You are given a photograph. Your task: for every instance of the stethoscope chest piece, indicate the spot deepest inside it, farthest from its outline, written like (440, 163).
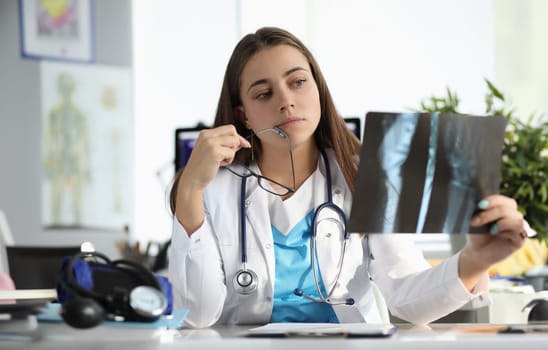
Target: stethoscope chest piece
(245, 281)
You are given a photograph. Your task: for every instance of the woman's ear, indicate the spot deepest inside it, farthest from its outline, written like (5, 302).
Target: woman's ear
(240, 114)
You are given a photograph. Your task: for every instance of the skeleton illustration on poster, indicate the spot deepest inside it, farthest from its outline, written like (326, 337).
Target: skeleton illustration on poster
(87, 146)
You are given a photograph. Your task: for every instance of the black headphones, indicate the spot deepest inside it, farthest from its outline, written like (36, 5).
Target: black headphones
(92, 288)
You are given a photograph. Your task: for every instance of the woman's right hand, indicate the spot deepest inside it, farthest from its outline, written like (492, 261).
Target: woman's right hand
(213, 149)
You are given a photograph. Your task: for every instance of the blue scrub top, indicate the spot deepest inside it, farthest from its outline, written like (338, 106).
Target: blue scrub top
(293, 270)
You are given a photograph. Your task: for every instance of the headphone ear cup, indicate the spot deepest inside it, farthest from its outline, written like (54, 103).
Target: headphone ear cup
(82, 313)
(74, 278)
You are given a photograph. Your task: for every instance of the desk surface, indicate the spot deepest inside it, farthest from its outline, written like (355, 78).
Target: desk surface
(438, 336)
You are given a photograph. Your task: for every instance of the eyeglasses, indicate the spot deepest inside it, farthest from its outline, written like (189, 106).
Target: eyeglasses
(265, 183)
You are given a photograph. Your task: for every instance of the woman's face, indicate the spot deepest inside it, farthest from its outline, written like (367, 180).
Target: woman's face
(278, 89)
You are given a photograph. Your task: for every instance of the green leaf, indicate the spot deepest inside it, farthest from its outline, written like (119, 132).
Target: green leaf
(494, 90)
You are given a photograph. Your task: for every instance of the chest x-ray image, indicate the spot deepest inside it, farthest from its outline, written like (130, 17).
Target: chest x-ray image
(424, 173)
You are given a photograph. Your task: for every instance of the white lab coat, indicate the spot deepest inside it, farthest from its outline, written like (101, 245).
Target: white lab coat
(202, 267)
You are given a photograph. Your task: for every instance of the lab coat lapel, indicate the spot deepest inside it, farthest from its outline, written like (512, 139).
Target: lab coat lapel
(259, 231)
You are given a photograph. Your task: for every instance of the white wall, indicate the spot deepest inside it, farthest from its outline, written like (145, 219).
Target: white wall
(180, 52)
(391, 54)
(522, 54)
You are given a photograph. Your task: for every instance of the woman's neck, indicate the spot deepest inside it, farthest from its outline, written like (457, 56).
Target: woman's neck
(276, 163)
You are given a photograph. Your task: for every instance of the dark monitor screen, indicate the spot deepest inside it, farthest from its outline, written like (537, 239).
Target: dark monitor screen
(185, 138)
(354, 124)
(36, 267)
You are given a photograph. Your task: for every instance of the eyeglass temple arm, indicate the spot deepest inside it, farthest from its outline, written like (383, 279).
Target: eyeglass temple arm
(284, 135)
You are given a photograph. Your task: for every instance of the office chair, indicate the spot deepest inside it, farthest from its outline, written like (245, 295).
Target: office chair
(37, 267)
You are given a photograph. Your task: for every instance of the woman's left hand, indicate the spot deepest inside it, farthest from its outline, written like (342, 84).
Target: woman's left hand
(506, 235)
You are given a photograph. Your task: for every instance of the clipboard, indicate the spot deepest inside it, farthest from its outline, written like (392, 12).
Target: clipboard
(350, 330)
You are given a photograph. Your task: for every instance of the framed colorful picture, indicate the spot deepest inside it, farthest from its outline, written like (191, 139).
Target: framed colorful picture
(57, 29)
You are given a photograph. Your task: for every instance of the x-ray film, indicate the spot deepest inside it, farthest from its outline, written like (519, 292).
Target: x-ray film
(425, 173)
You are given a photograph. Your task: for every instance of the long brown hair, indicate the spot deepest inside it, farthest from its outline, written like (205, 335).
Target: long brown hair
(331, 131)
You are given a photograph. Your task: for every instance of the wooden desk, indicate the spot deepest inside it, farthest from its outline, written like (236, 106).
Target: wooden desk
(443, 336)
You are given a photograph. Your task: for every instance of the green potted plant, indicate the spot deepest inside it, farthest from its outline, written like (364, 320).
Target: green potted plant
(524, 164)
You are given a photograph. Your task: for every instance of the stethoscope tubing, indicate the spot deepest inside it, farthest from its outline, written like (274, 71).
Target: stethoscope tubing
(243, 233)
(331, 205)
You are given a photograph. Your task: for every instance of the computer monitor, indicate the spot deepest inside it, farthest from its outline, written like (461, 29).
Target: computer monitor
(33, 267)
(185, 138)
(354, 124)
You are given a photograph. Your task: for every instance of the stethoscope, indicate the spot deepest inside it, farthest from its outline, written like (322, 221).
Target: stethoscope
(245, 279)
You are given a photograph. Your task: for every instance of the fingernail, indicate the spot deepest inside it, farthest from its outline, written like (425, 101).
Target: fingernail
(483, 204)
(494, 229)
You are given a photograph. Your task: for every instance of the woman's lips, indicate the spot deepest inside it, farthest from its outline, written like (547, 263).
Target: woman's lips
(289, 122)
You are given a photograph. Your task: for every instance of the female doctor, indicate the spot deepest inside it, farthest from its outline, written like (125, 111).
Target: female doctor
(259, 225)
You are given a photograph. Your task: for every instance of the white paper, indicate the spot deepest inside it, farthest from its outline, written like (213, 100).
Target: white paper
(364, 329)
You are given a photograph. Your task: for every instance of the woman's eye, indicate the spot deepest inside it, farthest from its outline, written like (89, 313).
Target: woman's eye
(299, 82)
(262, 95)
